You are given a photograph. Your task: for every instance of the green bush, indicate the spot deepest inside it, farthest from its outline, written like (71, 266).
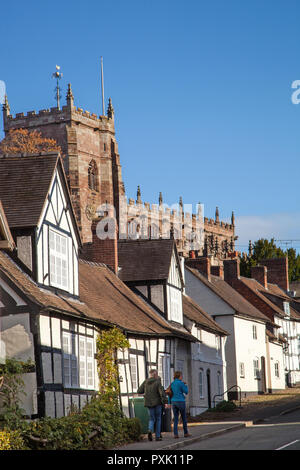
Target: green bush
(11, 440)
(132, 428)
(224, 406)
(100, 425)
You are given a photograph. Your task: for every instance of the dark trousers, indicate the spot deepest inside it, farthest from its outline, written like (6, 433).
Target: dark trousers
(179, 407)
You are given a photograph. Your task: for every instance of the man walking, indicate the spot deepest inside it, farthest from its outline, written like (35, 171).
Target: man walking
(154, 399)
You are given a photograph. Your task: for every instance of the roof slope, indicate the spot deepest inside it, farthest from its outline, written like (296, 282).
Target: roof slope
(105, 299)
(18, 177)
(42, 297)
(143, 260)
(195, 313)
(266, 296)
(229, 295)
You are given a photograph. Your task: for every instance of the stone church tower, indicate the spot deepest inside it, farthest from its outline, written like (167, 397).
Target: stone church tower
(90, 151)
(92, 165)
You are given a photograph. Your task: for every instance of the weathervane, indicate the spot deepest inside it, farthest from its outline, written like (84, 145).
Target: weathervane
(57, 75)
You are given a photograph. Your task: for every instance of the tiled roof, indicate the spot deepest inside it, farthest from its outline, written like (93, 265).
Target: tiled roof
(266, 296)
(229, 295)
(104, 299)
(143, 260)
(44, 298)
(24, 185)
(195, 313)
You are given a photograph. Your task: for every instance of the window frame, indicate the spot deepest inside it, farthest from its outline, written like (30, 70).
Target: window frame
(254, 331)
(93, 176)
(164, 369)
(256, 368)
(132, 372)
(81, 358)
(58, 255)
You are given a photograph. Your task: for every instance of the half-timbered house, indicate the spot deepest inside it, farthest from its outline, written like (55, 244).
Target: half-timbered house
(53, 305)
(152, 269)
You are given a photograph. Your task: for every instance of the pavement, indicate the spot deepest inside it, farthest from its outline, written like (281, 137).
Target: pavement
(204, 430)
(198, 431)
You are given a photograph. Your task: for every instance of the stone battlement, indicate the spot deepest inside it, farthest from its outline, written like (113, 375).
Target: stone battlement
(134, 207)
(55, 111)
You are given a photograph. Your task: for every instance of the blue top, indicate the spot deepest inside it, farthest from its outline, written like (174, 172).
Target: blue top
(179, 389)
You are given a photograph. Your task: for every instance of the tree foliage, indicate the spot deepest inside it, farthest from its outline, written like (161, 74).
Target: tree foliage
(266, 249)
(25, 141)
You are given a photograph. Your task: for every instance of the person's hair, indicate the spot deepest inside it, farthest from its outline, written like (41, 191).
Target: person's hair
(177, 374)
(152, 372)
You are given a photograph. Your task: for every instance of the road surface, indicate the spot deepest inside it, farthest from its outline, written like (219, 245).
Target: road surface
(280, 433)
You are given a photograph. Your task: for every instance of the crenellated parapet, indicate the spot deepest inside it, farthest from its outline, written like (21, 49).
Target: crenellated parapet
(192, 231)
(69, 112)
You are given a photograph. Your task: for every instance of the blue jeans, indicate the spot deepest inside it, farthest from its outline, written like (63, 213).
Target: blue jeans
(179, 407)
(155, 419)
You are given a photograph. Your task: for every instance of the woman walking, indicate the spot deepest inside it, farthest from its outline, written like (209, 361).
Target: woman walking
(179, 390)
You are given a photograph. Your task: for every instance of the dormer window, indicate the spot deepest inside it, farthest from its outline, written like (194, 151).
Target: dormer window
(93, 176)
(286, 308)
(58, 248)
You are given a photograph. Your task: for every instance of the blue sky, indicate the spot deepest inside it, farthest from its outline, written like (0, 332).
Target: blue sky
(201, 90)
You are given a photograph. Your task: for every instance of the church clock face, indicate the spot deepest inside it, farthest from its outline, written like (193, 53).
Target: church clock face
(90, 211)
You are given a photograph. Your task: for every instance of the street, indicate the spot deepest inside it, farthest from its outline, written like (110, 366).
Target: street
(280, 433)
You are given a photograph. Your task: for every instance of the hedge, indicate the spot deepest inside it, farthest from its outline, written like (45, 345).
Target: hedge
(99, 425)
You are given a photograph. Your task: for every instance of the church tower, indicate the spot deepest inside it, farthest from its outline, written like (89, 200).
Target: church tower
(90, 154)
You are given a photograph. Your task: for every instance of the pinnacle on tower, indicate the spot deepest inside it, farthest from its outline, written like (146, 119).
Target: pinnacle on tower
(110, 109)
(138, 195)
(70, 96)
(6, 107)
(180, 202)
(232, 218)
(160, 199)
(250, 248)
(217, 215)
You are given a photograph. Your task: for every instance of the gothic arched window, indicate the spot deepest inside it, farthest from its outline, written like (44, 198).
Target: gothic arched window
(93, 175)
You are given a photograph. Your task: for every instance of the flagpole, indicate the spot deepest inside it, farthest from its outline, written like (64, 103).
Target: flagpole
(102, 87)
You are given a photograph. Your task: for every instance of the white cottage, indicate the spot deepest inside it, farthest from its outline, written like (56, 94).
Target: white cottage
(247, 354)
(273, 300)
(208, 381)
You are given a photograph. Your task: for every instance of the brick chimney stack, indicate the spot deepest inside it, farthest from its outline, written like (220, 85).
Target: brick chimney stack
(103, 249)
(203, 265)
(231, 270)
(278, 271)
(217, 271)
(259, 273)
